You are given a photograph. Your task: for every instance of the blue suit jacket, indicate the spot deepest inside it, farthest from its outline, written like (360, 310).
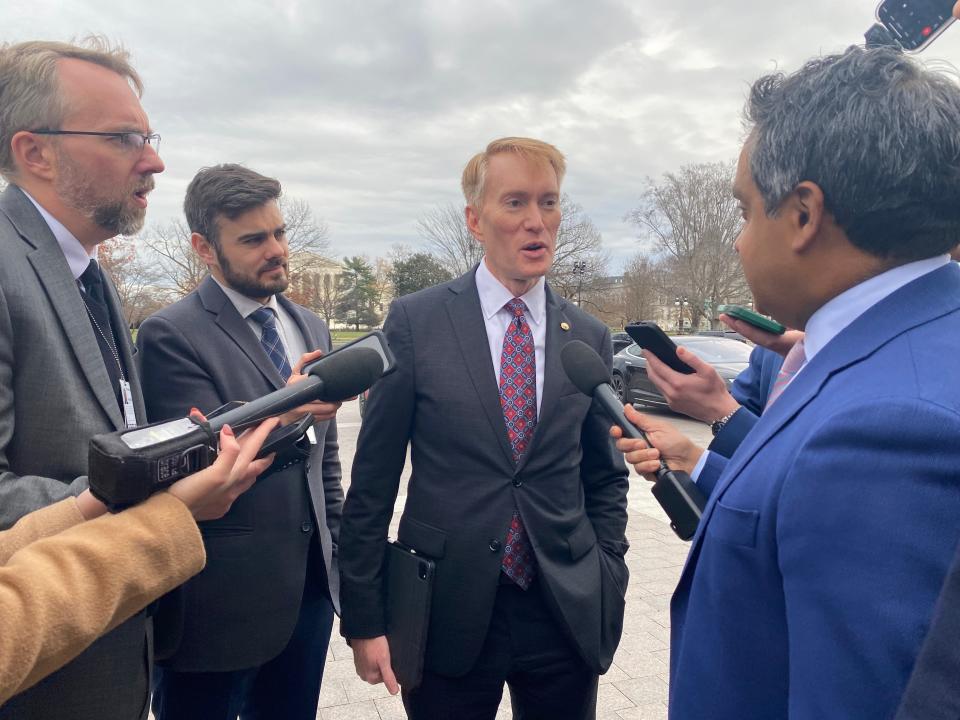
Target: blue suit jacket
(933, 692)
(750, 389)
(812, 578)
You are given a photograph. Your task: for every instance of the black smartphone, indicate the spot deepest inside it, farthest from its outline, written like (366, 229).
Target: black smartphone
(914, 24)
(649, 336)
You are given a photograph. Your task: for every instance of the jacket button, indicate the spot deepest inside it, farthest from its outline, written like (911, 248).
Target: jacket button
(306, 527)
(495, 546)
(517, 482)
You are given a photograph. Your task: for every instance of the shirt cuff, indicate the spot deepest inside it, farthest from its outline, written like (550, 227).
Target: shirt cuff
(698, 468)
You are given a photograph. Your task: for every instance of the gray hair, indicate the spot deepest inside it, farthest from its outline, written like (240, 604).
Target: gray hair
(30, 97)
(229, 190)
(879, 134)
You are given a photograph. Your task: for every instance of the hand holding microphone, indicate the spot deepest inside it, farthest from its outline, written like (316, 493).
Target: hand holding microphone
(126, 467)
(677, 494)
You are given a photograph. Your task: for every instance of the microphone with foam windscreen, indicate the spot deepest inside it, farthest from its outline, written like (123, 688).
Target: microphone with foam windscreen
(677, 494)
(127, 466)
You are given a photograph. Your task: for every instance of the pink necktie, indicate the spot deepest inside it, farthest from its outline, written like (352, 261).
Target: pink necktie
(791, 366)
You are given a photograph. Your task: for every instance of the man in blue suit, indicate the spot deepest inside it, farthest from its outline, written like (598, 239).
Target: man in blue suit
(814, 573)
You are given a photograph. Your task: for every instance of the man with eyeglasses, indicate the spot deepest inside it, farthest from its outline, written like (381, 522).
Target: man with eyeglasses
(79, 155)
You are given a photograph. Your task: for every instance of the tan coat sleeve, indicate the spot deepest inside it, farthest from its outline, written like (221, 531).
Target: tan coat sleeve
(60, 593)
(39, 524)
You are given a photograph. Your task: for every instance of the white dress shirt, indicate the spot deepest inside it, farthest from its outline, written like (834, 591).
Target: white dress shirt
(76, 254)
(497, 318)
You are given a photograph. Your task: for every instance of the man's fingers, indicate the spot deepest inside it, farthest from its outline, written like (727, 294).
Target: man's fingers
(644, 422)
(306, 358)
(700, 366)
(389, 679)
(751, 333)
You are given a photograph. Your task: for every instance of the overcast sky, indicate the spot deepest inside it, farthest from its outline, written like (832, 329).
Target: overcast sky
(368, 109)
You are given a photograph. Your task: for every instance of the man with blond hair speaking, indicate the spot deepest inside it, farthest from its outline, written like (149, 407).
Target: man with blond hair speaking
(516, 491)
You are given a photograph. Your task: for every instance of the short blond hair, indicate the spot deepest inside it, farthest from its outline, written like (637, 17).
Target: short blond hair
(30, 97)
(475, 173)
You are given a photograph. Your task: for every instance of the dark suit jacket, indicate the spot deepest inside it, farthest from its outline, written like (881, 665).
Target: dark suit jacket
(242, 609)
(933, 692)
(55, 394)
(750, 389)
(570, 487)
(813, 576)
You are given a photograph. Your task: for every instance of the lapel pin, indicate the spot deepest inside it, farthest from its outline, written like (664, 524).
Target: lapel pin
(564, 326)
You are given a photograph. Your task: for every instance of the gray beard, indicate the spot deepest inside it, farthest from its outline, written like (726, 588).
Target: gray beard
(78, 192)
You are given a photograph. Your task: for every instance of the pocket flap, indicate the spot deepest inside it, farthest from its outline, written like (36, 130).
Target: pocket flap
(581, 540)
(734, 525)
(425, 539)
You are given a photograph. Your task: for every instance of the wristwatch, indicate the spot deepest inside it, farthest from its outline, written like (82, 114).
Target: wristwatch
(717, 425)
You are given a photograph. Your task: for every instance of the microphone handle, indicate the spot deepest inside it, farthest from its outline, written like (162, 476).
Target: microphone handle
(676, 492)
(275, 403)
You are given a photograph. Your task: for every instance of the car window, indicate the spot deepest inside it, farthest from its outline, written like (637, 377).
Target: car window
(716, 350)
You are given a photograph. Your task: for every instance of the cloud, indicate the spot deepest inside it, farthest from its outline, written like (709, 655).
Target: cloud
(369, 110)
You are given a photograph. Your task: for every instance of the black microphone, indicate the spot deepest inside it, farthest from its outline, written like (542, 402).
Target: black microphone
(127, 466)
(331, 378)
(677, 494)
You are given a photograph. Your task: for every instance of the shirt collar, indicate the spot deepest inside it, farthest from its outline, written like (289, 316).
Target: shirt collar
(76, 254)
(247, 306)
(493, 296)
(827, 322)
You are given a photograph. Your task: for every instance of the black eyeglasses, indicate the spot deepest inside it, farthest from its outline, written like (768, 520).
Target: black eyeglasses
(130, 141)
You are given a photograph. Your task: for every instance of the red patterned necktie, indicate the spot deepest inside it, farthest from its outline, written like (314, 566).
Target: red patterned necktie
(518, 398)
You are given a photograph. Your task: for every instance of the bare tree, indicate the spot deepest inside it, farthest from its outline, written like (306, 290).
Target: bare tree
(580, 262)
(642, 280)
(180, 267)
(134, 277)
(383, 288)
(307, 235)
(445, 235)
(329, 294)
(694, 221)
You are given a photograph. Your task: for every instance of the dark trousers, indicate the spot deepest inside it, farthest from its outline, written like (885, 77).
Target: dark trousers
(526, 649)
(288, 686)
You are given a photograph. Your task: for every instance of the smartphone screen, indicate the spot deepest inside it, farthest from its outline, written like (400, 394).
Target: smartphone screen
(915, 23)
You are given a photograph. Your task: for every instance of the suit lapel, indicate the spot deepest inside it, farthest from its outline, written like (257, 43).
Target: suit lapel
(215, 301)
(918, 302)
(310, 340)
(55, 277)
(553, 374)
(466, 318)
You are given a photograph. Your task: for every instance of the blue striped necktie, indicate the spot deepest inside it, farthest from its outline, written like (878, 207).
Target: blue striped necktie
(271, 342)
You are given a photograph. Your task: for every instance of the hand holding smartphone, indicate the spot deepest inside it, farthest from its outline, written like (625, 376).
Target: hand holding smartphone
(649, 336)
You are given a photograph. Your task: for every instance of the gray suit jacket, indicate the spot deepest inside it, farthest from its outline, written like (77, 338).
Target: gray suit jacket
(570, 487)
(241, 610)
(55, 394)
